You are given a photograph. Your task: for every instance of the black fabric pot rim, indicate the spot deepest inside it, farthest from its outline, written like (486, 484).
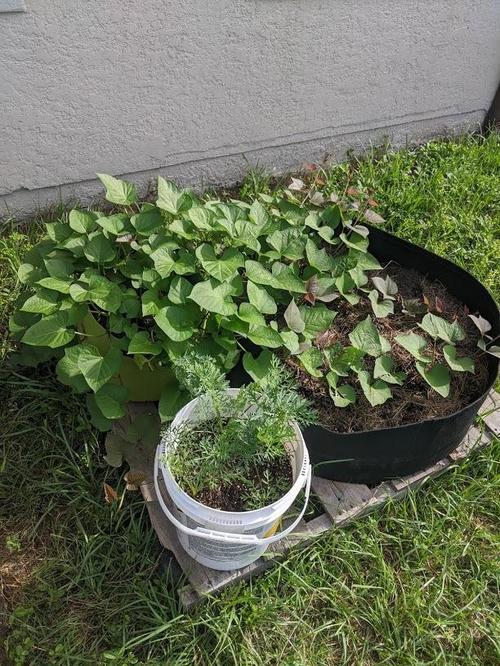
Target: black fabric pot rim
(406, 426)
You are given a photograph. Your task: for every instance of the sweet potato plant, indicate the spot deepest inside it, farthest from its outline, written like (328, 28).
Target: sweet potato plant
(211, 276)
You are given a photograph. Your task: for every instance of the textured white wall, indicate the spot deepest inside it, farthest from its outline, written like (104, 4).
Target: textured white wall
(201, 89)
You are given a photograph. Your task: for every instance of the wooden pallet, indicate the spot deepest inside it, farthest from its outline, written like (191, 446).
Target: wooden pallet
(341, 503)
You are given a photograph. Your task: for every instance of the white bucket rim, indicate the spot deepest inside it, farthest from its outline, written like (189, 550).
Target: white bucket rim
(258, 515)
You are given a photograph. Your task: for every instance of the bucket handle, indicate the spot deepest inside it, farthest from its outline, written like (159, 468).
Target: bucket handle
(214, 535)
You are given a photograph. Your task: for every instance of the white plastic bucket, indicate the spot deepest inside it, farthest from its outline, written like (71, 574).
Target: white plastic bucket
(227, 540)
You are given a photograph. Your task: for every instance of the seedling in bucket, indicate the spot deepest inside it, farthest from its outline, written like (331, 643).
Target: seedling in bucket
(233, 462)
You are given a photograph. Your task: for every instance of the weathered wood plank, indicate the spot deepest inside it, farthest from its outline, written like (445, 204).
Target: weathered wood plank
(421, 477)
(490, 412)
(318, 525)
(385, 494)
(351, 495)
(323, 488)
(476, 438)
(188, 597)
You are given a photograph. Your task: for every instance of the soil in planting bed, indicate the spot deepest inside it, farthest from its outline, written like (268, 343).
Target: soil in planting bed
(415, 400)
(261, 483)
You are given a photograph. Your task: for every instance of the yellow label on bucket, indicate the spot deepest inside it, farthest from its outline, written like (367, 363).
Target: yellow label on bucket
(273, 528)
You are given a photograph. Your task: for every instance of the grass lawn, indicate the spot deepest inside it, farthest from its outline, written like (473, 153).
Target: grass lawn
(83, 582)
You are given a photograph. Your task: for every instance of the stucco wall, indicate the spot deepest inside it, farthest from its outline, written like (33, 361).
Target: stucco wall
(200, 90)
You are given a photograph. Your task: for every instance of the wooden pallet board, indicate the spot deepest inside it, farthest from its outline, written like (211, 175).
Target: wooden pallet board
(341, 504)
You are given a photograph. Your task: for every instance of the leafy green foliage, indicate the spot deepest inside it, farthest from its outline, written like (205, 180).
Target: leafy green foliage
(151, 281)
(437, 376)
(415, 344)
(457, 363)
(118, 191)
(437, 327)
(376, 391)
(366, 338)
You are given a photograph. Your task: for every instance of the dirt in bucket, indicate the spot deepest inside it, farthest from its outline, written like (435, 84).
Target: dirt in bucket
(414, 400)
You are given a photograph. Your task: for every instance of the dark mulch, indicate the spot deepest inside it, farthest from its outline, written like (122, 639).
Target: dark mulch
(415, 400)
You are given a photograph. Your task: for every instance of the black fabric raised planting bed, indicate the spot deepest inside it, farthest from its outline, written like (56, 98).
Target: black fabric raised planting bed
(375, 455)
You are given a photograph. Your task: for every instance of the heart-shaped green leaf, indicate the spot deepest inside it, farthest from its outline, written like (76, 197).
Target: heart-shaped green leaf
(258, 367)
(163, 260)
(115, 224)
(111, 399)
(364, 260)
(258, 274)
(118, 191)
(258, 216)
(343, 395)
(58, 231)
(141, 343)
(415, 344)
(249, 313)
(286, 279)
(260, 298)
(366, 338)
(342, 361)
(355, 241)
(51, 331)
(214, 297)
(98, 368)
(317, 319)
(171, 401)
(97, 418)
(185, 263)
(82, 221)
(293, 318)
(326, 291)
(345, 284)
(376, 392)
(291, 341)
(265, 336)
(171, 198)
(59, 267)
(384, 369)
(382, 308)
(289, 243)
(332, 216)
(318, 257)
(437, 327)
(56, 284)
(148, 222)
(104, 293)
(312, 360)
(457, 363)
(100, 249)
(44, 301)
(386, 286)
(179, 290)
(202, 217)
(359, 276)
(68, 371)
(221, 268)
(178, 321)
(29, 274)
(437, 376)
